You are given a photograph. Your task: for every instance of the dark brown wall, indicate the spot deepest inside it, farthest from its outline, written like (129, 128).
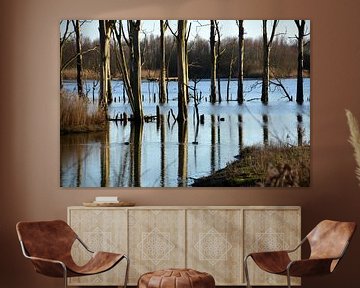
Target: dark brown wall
(29, 119)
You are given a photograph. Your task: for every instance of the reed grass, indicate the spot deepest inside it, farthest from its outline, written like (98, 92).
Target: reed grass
(76, 115)
(71, 74)
(354, 140)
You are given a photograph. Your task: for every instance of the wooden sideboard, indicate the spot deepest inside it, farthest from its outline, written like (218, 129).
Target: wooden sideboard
(211, 239)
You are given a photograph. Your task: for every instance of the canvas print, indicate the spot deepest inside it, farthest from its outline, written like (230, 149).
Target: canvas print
(184, 103)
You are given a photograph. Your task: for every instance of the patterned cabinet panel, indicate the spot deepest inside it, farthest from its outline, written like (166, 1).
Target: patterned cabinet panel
(214, 244)
(156, 240)
(270, 229)
(101, 230)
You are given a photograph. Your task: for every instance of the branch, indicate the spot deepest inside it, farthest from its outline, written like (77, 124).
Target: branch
(123, 33)
(276, 22)
(199, 26)
(239, 22)
(280, 85)
(121, 63)
(172, 32)
(187, 37)
(76, 55)
(65, 37)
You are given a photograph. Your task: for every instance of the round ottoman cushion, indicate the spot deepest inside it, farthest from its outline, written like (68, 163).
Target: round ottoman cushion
(176, 278)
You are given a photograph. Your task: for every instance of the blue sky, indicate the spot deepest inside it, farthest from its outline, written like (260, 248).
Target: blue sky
(228, 28)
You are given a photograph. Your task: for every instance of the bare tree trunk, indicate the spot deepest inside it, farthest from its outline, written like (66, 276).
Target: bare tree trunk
(265, 76)
(135, 68)
(123, 66)
(182, 153)
(186, 81)
(213, 62)
(162, 94)
(163, 150)
(62, 43)
(232, 60)
(181, 71)
(79, 72)
(301, 31)
(240, 92)
(105, 32)
(132, 80)
(218, 54)
(266, 59)
(136, 136)
(105, 160)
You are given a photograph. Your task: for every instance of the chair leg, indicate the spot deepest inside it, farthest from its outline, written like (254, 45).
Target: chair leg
(246, 272)
(288, 278)
(126, 271)
(65, 276)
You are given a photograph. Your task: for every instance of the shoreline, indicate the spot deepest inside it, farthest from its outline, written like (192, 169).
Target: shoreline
(274, 166)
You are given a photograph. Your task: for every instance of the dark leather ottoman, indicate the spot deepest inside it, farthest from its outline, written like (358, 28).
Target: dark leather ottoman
(176, 278)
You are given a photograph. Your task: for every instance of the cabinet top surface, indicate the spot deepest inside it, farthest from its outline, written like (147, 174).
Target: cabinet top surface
(192, 207)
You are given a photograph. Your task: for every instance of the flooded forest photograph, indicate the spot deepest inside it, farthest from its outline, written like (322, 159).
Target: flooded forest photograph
(184, 103)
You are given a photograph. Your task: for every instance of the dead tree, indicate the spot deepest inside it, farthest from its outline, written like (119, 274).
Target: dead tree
(300, 60)
(266, 59)
(132, 82)
(219, 53)
(105, 96)
(197, 99)
(121, 63)
(66, 35)
(240, 92)
(213, 56)
(232, 61)
(162, 94)
(182, 71)
(63, 40)
(135, 67)
(79, 69)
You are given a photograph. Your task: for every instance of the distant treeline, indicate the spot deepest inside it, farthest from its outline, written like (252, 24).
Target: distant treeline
(283, 57)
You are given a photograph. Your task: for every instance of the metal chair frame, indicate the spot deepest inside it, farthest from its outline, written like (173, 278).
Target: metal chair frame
(288, 276)
(26, 255)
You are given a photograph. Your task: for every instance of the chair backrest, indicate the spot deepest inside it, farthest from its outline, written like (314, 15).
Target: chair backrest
(46, 239)
(329, 239)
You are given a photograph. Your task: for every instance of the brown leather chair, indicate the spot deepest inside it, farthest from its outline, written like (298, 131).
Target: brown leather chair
(48, 245)
(328, 242)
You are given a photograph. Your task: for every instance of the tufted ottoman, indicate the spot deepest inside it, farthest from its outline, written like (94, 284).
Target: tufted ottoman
(176, 278)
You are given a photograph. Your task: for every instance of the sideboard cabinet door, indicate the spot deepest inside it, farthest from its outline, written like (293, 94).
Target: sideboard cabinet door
(214, 243)
(101, 230)
(269, 230)
(156, 240)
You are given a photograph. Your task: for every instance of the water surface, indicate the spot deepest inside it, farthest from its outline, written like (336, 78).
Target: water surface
(165, 154)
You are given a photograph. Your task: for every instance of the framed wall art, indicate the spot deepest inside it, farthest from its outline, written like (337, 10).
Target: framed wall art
(184, 103)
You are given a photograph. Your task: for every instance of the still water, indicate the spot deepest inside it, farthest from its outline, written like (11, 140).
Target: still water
(165, 154)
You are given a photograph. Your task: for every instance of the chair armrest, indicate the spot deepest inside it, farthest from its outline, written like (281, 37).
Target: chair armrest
(309, 267)
(298, 246)
(84, 245)
(49, 267)
(271, 261)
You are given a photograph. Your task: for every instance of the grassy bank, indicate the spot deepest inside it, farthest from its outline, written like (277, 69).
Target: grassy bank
(273, 166)
(76, 117)
(71, 74)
